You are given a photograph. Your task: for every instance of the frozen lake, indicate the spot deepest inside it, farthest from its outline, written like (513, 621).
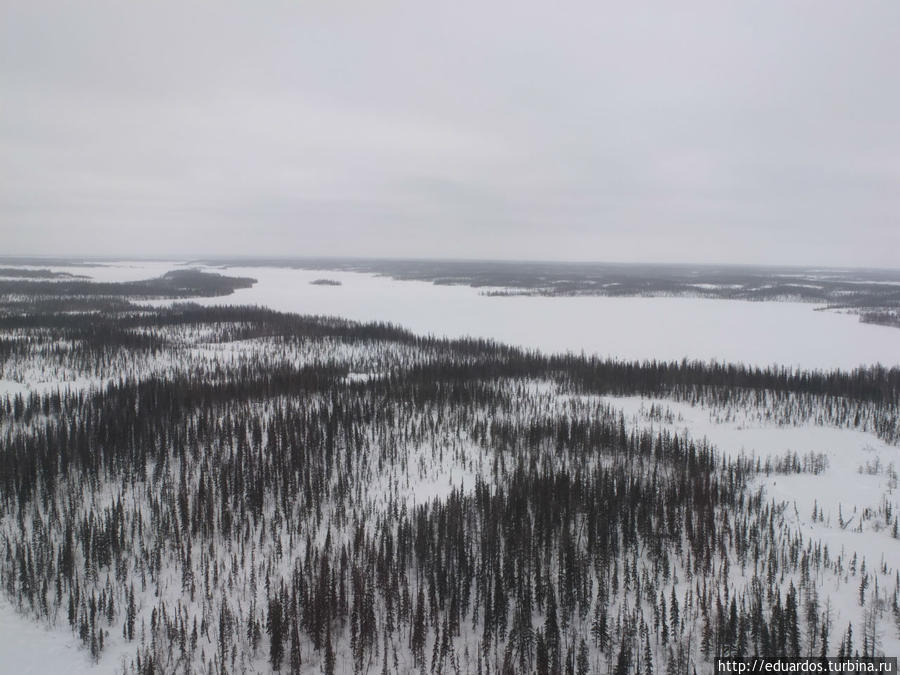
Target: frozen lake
(663, 328)
(758, 333)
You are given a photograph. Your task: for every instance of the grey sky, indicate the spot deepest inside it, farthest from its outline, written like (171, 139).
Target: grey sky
(668, 131)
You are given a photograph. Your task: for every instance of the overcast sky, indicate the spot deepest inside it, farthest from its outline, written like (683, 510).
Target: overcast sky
(762, 132)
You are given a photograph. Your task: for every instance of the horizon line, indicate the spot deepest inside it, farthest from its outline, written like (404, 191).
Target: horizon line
(269, 258)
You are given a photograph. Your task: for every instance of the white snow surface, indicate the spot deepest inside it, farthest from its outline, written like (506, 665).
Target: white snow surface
(29, 648)
(112, 271)
(861, 468)
(632, 328)
(861, 475)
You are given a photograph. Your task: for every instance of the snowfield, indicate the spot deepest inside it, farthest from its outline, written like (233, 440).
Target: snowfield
(860, 478)
(27, 648)
(860, 469)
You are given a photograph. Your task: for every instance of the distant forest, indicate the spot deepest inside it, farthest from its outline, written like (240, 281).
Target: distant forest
(873, 294)
(185, 283)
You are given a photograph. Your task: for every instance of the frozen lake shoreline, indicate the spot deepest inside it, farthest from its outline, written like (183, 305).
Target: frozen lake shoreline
(630, 328)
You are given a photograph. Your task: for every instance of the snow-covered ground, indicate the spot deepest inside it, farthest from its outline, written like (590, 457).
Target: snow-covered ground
(859, 480)
(860, 470)
(28, 648)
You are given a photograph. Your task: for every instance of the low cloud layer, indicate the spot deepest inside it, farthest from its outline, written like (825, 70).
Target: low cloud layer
(687, 132)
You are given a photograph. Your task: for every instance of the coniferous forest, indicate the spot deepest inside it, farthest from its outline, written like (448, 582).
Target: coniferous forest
(236, 490)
